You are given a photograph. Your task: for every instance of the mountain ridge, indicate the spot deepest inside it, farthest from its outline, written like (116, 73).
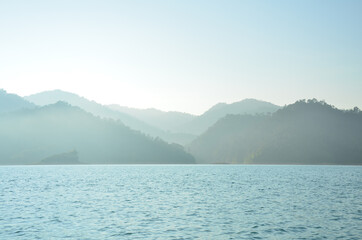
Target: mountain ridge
(166, 120)
(306, 132)
(11, 102)
(28, 136)
(50, 97)
(220, 110)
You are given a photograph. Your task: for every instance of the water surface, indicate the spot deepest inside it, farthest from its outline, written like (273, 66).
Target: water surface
(180, 202)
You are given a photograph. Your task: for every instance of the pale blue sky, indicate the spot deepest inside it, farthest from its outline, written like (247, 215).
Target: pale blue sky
(184, 55)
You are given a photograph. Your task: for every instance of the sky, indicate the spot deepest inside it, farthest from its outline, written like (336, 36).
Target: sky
(184, 55)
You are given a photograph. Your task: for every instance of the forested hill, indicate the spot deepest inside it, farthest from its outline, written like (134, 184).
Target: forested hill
(29, 136)
(306, 132)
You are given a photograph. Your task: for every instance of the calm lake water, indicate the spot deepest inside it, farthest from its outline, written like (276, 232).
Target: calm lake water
(180, 202)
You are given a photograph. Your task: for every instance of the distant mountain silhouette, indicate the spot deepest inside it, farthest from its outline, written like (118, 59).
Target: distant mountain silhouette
(12, 102)
(51, 97)
(306, 132)
(247, 106)
(29, 136)
(166, 121)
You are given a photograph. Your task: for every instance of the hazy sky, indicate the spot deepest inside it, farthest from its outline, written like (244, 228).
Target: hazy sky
(184, 55)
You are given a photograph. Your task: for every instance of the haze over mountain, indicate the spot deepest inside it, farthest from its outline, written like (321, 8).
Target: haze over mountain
(176, 127)
(54, 96)
(247, 106)
(12, 102)
(306, 132)
(51, 97)
(31, 135)
(167, 121)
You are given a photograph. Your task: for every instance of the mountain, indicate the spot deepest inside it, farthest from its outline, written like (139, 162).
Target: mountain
(11, 102)
(247, 106)
(166, 121)
(174, 127)
(306, 132)
(51, 97)
(31, 135)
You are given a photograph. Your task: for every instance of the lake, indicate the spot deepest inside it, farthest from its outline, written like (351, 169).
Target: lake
(180, 202)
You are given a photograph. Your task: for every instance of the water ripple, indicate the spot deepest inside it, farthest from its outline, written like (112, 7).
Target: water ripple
(180, 202)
